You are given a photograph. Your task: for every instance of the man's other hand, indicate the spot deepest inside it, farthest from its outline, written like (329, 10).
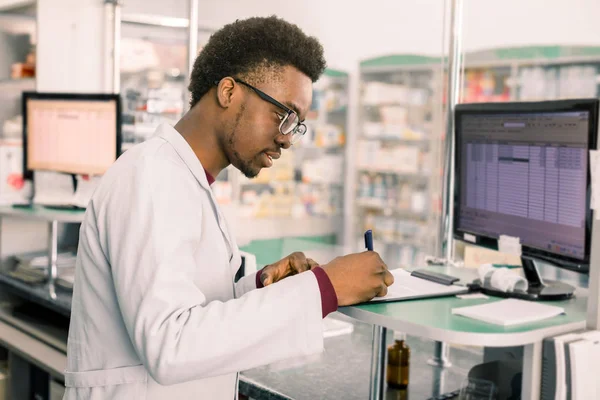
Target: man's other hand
(293, 264)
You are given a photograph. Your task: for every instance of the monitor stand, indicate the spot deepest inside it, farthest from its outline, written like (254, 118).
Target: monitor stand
(538, 289)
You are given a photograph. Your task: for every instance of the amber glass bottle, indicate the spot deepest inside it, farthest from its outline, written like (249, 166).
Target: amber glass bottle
(398, 362)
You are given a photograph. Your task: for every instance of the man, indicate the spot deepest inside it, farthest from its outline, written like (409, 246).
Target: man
(156, 313)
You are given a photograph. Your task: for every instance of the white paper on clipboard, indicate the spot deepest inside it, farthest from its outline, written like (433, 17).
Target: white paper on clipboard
(407, 287)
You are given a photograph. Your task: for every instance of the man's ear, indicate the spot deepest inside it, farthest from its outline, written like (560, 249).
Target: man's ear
(226, 92)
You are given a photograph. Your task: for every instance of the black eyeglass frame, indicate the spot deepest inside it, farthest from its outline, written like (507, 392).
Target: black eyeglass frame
(299, 129)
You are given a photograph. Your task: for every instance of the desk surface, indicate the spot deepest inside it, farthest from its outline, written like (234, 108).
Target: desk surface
(432, 319)
(43, 214)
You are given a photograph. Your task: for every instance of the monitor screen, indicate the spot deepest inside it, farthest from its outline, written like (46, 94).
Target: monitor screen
(522, 171)
(77, 134)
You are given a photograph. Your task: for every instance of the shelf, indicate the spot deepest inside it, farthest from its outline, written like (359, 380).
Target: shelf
(415, 241)
(398, 104)
(324, 148)
(49, 359)
(248, 229)
(41, 213)
(394, 139)
(401, 174)
(269, 183)
(366, 203)
(18, 82)
(321, 183)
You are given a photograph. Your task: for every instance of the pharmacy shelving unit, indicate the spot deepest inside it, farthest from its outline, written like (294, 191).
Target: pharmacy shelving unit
(153, 72)
(401, 127)
(531, 73)
(398, 156)
(304, 189)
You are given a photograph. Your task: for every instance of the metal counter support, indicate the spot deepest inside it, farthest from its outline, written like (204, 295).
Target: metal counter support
(377, 383)
(445, 241)
(112, 46)
(441, 356)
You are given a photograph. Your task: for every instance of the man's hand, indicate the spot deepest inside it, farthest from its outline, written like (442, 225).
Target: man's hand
(293, 264)
(358, 277)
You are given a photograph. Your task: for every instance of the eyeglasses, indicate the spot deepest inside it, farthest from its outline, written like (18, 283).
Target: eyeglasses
(290, 122)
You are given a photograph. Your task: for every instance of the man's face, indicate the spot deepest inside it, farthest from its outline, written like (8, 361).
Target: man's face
(253, 140)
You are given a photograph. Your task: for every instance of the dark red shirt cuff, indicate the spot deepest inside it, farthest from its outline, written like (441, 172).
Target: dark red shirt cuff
(329, 300)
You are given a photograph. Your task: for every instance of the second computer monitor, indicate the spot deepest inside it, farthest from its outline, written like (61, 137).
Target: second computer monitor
(522, 171)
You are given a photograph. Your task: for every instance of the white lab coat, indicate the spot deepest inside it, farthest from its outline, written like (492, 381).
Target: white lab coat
(155, 313)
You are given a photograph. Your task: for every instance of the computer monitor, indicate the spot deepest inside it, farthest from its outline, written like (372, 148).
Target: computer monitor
(70, 133)
(521, 169)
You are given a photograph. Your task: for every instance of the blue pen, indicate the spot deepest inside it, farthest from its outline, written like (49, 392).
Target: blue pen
(369, 240)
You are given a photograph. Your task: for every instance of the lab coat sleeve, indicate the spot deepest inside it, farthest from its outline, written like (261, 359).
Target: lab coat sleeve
(178, 335)
(245, 284)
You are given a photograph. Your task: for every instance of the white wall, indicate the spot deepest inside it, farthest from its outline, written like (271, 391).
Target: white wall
(366, 29)
(349, 30)
(70, 52)
(493, 23)
(354, 30)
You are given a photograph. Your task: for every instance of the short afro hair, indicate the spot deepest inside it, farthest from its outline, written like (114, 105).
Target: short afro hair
(247, 47)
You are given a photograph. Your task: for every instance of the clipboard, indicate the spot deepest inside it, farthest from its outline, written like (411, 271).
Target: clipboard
(409, 287)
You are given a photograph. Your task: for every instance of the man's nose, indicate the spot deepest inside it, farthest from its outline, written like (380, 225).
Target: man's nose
(284, 141)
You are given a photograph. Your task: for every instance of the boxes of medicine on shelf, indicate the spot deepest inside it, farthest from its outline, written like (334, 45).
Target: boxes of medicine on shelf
(391, 190)
(425, 164)
(379, 189)
(329, 135)
(316, 200)
(372, 129)
(405, 255)
(326, 169)
(274, 202)
(578, 81)
(418, 202)
(368, 152)
(385, 228)
(280, 203)
(404, 159)
(282, 170)
(396, 116)
(407, 229)
(384, 93)
(369, 221)
(418, 96)
(365, 186)
(405, 133)
(335, 100)
(404, 192)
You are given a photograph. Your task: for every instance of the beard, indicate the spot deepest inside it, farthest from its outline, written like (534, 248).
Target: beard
(246, 167)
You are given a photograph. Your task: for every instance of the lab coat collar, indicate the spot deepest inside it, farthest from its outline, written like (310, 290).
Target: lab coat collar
(186, 153)
(182, 147)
